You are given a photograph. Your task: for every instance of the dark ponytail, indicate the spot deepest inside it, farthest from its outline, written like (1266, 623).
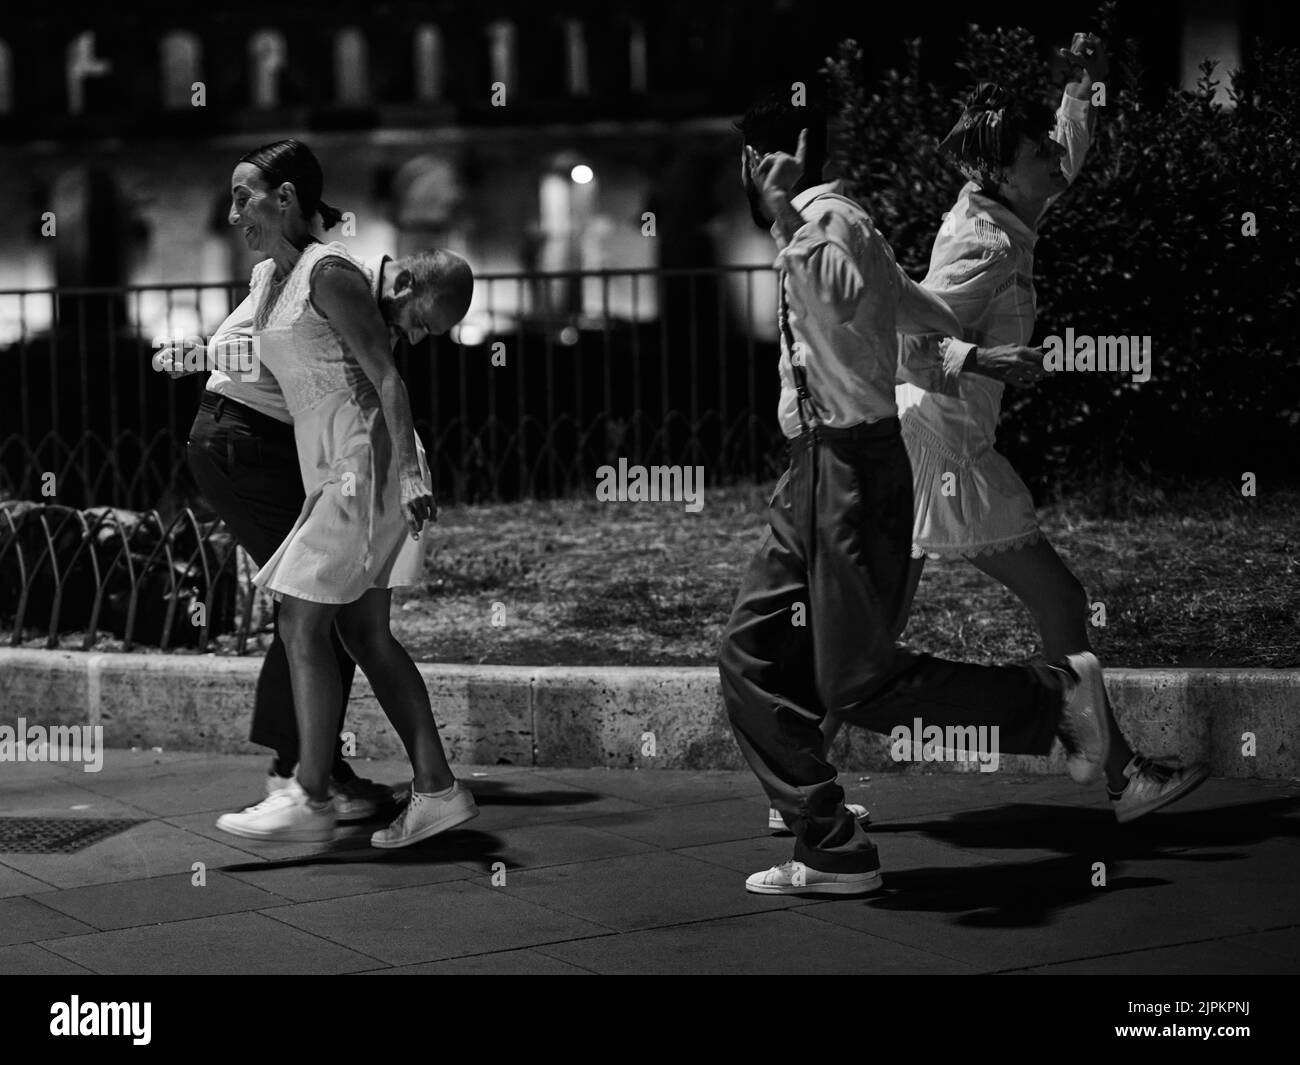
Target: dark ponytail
(293, 161)
(329, 216)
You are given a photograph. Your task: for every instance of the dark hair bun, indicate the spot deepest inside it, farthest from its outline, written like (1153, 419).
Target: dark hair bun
(329, 216)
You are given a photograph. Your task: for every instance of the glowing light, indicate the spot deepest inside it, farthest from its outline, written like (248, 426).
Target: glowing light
(470, 334)
(582, 174)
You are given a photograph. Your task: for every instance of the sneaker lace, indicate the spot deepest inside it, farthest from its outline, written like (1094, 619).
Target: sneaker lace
(280, 798)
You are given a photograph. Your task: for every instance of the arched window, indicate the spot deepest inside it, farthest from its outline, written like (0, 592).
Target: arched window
(266, 58)
(501, 46)
(6, 79)
(82, 64)
(575, 58)
(428, 64)
(636, 56)
(351, 68)
(182, 66)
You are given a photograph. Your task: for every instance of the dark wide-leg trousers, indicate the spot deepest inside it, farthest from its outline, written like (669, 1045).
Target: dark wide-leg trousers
(810, 634)
(246, 465)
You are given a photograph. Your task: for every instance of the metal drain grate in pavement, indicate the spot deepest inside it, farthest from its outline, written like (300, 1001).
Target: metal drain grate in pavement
(57, 835)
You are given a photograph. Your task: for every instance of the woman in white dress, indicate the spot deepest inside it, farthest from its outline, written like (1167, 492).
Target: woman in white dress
(321, 334)
(969, 502)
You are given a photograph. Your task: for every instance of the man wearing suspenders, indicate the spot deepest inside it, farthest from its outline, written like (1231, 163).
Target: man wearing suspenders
(810, 631)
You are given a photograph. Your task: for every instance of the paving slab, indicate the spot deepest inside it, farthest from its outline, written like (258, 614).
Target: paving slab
(641, 891)
(544, 845)
(692, 825)
(24, 920)
(783, 943)
(32, 959)
(12, 882)
(1225, 956)
(159, 900)
(436, 921)
(597, 870)
(244, 943)
(335, 873)
(501, 963)
(152, 849)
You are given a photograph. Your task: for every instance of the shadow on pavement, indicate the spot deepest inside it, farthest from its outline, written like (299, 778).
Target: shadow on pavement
(1028, 894)
(454, 846)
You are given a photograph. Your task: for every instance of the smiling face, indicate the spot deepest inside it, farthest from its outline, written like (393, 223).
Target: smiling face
(255, 208)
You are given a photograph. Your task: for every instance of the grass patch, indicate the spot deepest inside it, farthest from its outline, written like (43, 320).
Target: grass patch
(1191, 576)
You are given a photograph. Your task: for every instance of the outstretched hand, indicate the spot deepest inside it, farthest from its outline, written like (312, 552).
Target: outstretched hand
(1012, 364)
(168, 361)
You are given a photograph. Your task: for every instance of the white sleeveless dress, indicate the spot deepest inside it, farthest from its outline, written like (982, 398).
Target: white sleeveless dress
(351, 535)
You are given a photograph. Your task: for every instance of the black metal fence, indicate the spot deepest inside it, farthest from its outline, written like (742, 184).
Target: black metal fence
(109, 572)
(551, 376)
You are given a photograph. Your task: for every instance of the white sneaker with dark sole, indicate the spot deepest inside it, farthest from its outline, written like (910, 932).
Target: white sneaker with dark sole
(1152, 785)
(284, 817)
(795, 878)
(427, 815)
(776, 823)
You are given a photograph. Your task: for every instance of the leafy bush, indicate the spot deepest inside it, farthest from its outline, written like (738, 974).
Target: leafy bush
(1148, 241)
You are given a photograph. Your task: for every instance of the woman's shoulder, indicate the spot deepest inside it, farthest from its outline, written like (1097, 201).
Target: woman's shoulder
(326, 258)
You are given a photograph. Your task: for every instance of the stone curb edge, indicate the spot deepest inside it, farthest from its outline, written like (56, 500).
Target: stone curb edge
(614, 716)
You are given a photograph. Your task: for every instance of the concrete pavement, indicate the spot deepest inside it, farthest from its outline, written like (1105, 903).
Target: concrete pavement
(578, 871)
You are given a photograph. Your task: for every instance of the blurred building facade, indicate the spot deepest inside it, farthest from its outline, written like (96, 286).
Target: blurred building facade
(527, 137)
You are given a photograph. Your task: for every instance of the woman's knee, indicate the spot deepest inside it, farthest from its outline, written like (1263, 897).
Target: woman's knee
(301, 623)
(364, 641)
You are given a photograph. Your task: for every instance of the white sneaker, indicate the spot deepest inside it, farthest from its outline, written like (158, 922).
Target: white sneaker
(795, 878)
(427, 815)
(276, 783)
(1151, 785)
(776, 823)
(1084, 730)
(359, 799)
(287, 816)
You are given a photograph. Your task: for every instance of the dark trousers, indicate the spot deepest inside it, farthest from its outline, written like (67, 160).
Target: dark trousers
(246, 466)
(835, 558)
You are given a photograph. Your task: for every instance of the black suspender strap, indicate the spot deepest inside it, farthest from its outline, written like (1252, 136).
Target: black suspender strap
(796, 363)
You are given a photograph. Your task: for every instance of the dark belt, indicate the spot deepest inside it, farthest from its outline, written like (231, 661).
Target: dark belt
(219, 405)
(878, 430)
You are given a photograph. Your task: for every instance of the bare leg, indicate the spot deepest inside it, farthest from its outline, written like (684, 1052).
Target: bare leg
(1059, 604)
(831, 724)
(398, 686)
(317, 694)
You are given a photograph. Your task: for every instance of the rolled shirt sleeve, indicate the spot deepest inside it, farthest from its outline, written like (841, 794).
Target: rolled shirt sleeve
(1072, 133)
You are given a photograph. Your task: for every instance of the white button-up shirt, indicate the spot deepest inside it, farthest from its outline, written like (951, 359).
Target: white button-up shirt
(848, 300)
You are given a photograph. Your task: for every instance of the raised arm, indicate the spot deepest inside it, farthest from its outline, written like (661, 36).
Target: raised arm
(1075, 118)
(342, 294)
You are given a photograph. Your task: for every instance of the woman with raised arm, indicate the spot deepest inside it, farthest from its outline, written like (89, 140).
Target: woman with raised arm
(1018, 157)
